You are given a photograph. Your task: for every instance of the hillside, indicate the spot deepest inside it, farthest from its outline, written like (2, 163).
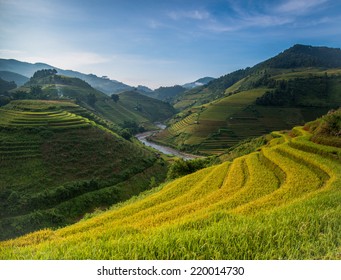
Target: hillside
(254, 101)
(6, 86)
(11, 76)
(57, 165)
(47, 84)
(167, 94)
(299, 56)
(150, 108)
(280, 202)
(296, 57)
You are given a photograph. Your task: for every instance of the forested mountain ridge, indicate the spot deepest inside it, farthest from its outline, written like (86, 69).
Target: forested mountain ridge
(298, 56)
(254, 101)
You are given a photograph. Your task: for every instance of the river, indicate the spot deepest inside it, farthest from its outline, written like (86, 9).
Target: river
(142, 137)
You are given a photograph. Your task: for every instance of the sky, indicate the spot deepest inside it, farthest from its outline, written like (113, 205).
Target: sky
(162, 42)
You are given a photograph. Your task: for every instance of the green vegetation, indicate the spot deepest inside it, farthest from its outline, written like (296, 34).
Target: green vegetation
(290, 89)
(59, 161)
(127, 107)
(273, 193)
(327, 131)
(150, 108)
(305, 56)
(313, 91)
(219, 125)
(181, 167)
(280, 202)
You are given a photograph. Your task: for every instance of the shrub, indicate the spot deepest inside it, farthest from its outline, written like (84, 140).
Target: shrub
(181, 167)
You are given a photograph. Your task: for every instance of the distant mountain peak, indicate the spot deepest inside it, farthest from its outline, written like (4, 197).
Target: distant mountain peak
(26, 69)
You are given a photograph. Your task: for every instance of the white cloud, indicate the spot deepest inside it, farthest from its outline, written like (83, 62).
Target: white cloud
(265, 20)
(195, 14)
(267, 16)
(299, 6)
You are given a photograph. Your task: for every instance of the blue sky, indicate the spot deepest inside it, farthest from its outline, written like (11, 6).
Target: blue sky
(162, 42)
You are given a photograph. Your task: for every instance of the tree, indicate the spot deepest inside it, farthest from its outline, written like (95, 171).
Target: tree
(44, 73)
(125, 133)
(115, 97)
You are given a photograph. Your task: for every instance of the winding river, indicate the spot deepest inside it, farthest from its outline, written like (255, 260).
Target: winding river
(142, 137)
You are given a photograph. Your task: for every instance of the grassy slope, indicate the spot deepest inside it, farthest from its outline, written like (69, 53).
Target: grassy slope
(282, 202)
(57, 165)
(220, 124)
(123, 110)
(150, 108)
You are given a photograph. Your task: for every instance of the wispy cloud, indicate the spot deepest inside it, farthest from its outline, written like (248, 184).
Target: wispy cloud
(247, 21)
(299, 6)
(194, 14)
(289, 12)
(265, 20)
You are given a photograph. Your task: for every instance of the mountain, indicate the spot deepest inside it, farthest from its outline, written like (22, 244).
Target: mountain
(171, 93)
(296, 57)
(254, 101)
(28, 69)
(144, 89)
(279, 202)
(6, 86)
(72, 149)
(135, 109)
(23, 68)
(15, 77)
(167, 94)
(304, 56)
(59, 160)
(198, 83)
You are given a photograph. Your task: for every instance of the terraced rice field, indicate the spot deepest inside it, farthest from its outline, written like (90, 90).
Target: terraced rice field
(183, 124)
(53, 120)
(212, 128)
(19, 150)
(282, 202)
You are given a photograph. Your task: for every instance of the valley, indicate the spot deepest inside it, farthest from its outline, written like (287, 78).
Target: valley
(281, 202)
(143, 138)
(245, 166)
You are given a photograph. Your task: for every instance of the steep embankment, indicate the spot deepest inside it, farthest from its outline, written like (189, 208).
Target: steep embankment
(281, 202)
(58, 161)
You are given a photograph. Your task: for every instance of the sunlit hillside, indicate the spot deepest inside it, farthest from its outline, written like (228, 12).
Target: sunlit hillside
(280, 202)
